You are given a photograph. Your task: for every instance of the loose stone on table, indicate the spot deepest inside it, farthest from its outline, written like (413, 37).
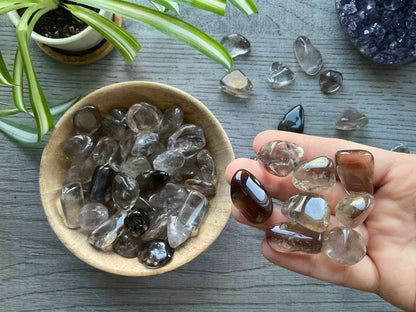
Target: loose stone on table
(294, 120)
(237, 84)
(401, 148)
(280, 75)
(330, 81)
(308, 57)
(236, 45)
(351, 119)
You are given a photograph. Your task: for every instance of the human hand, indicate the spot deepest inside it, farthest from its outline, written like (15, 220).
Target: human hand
(389, 267)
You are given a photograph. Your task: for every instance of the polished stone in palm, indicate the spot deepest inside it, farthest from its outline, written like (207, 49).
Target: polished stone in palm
(236, 45)
(188, 139)
(355, 169)
(143, 118)
(280, 157)
(92, 215)
(280, 75)
(308, 57)
(250, 197)
(72, 201)
(237, 84)
(314, 175)
(354, 209)
(104, 235)
(344, 245)
(292, 237)
(308, 209)
(351, 119)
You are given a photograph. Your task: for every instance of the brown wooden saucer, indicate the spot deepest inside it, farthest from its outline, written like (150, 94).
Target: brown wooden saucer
(81, 57)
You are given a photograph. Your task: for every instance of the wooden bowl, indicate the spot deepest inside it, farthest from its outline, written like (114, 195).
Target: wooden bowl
(54, 165)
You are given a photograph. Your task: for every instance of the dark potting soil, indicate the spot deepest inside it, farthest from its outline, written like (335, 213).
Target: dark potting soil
(59, 23)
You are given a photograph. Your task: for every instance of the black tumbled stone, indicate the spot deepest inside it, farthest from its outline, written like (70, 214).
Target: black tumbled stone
(101, 181)
(293, 121)
(137, 222)
(152, 181)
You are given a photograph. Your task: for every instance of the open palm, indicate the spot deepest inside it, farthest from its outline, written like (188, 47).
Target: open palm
(389, 268)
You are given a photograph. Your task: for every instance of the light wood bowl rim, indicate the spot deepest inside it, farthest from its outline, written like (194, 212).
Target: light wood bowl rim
(54, 164)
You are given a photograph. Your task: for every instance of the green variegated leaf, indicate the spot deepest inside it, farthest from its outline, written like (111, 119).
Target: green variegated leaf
(165, 5)
(169, 25)
(21, 133)
(63, 107)
(5, 77)
(18, 98)
(123, 41)
(246, 6)
(216, 6)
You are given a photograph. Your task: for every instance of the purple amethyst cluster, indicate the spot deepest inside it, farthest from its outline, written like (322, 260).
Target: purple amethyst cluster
(383, 30)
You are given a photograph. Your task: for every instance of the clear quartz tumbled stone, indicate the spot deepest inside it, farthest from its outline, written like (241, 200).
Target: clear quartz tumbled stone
(143, 117)
(171, 121)
(236, 45)
(169, 161)
(104, 235)
(72, 201)
(193, 210)
(351, 119)
(292, 237)
(87, 120)
(400, 148)
(171, 198)
(206, 188)
(280, 75)
(177, 232)
(92, 215)
(330, 81)
(344, 245)
(206, 166)
(354, 209)
(308, 209)
(308, 57)
(237, 84)
(105, 150)
(188, 139)
(113, 127)
(127, 245)
(125, 191)
(77, 147)
(314, 175)
(280, 157)
(144, 144)
(133, 166)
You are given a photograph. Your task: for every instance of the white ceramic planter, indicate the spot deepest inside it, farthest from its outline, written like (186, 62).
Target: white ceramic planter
(84, 40)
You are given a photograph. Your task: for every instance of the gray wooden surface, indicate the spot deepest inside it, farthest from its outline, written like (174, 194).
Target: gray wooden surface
(38, 273)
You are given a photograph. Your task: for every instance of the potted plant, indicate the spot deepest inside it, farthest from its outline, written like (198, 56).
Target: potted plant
(124, 42)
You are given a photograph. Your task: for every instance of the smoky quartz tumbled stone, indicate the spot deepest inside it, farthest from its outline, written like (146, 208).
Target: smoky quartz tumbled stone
(155, 254)
(137, 222)
(250, 197)
(355, 169)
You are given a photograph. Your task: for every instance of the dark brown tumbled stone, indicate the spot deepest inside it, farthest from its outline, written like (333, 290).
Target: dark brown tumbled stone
(250, 197)
(355, 169)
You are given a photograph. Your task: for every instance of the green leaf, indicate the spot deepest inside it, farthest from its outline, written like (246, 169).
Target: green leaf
(122, 40)
(18, 97)
(23, 134)
(8, 112)
(63, 107)
(216, 6)
(246, 6)
(7, 6)
(44, 119)
(5, 77)
(169, 25)
(165, 5)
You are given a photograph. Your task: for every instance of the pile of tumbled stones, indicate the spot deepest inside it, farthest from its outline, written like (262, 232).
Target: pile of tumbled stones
(138, 180)
(308, 211)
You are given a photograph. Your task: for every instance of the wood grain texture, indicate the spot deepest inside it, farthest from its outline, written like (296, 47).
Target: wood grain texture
(38, 273)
